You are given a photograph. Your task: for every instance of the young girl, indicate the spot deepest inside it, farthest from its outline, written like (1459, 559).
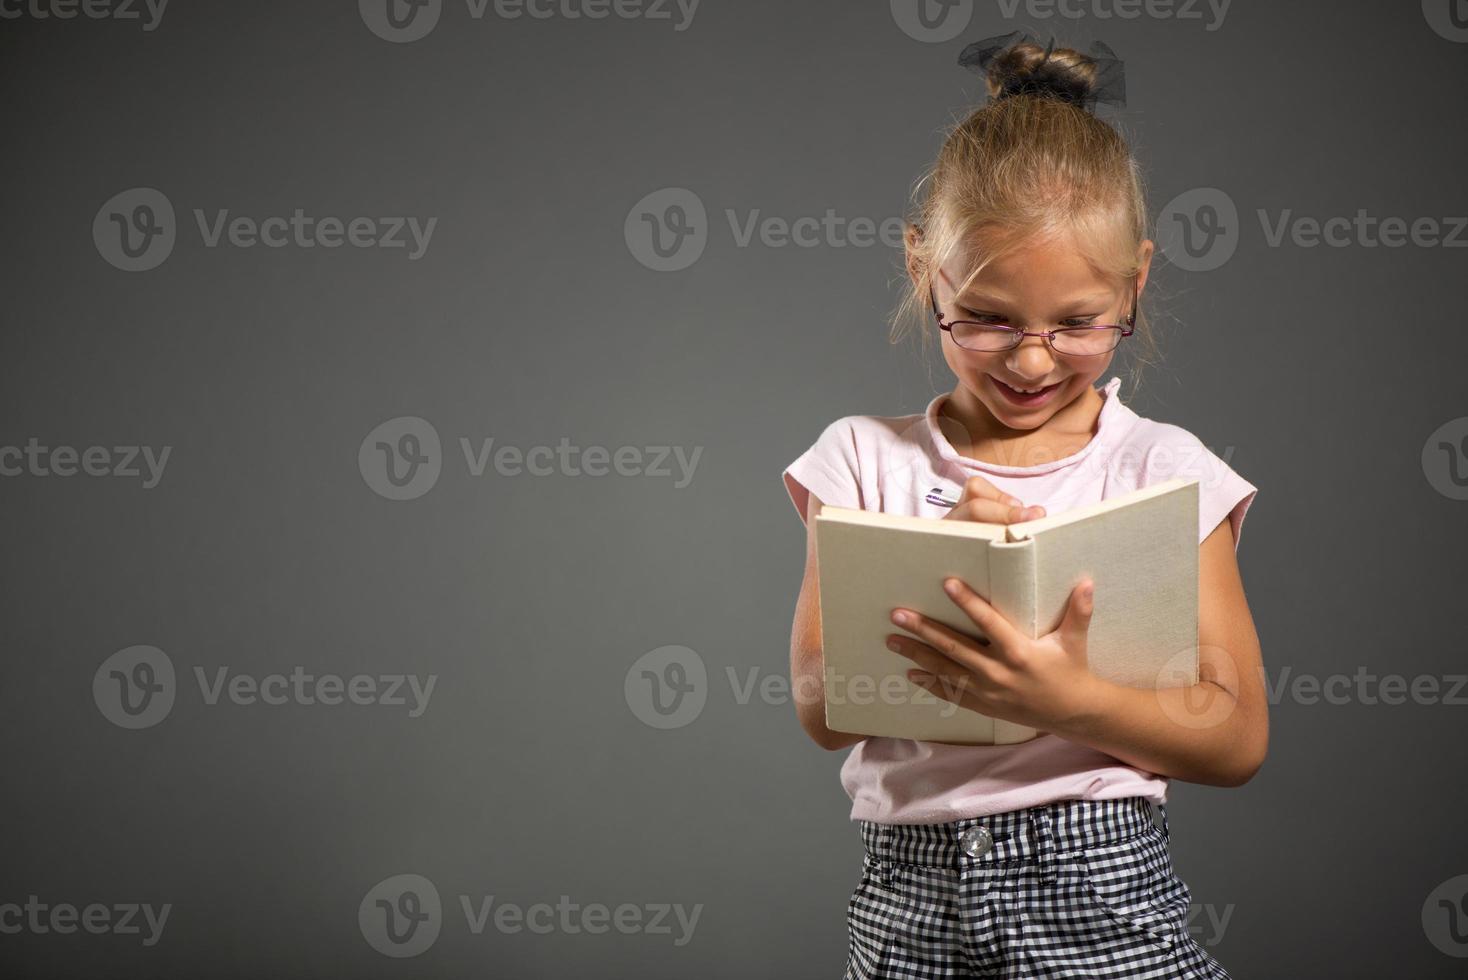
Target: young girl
(1026, 261)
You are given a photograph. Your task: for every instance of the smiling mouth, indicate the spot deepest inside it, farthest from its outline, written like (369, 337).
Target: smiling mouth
(1025, 396)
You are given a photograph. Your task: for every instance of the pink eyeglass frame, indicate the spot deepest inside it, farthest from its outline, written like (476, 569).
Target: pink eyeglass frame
(1049, 335)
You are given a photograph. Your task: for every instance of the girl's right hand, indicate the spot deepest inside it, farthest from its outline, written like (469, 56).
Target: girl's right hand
(982, 501)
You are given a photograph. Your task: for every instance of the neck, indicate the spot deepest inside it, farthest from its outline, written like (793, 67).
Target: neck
(1077, 418)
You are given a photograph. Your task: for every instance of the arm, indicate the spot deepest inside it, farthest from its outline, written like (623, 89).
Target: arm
(807, 668)
(1216, 732)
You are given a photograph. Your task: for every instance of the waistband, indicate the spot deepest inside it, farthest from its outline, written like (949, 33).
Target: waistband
(1038, 834)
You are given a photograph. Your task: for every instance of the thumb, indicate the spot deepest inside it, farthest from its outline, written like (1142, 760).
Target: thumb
(1077, 621)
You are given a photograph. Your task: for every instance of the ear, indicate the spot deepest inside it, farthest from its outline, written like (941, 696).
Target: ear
(912, 238)
(1144, 263)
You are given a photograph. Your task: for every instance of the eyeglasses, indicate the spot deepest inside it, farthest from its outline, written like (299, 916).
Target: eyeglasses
(1077, 341)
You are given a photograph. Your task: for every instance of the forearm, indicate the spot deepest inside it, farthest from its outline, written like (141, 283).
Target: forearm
(1165, 732)
(808, 682)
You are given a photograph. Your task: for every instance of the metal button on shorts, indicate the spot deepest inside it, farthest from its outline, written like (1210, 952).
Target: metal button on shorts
(976, 841)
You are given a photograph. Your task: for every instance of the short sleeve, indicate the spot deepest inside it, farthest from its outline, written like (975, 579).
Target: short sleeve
(1170, 452)
(1227, 498)
(827, 469)
(1175, 453)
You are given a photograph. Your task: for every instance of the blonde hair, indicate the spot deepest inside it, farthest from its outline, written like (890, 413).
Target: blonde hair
(1030, 165)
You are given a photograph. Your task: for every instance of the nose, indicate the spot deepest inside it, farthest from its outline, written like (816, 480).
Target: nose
(1031, 360)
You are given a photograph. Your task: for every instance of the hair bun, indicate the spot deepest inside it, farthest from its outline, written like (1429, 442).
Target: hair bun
(1027, 69)
(1015, 64)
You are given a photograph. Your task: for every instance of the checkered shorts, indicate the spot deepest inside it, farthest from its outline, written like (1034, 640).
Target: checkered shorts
(1076, 888)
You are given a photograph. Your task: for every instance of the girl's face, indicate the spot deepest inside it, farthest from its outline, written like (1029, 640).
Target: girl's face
(1042, 286)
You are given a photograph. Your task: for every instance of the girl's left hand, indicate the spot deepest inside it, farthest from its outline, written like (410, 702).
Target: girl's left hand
(1043, 684)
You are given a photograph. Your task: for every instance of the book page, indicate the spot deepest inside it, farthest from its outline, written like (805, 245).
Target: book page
(1144, 560)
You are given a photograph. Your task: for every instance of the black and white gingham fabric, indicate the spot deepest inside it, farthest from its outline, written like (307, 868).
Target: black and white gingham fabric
(1075, 888)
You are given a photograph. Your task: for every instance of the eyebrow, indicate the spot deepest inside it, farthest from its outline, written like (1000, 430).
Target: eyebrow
(974, 301)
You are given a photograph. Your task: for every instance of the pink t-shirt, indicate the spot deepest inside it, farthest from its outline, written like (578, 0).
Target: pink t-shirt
(890, 465)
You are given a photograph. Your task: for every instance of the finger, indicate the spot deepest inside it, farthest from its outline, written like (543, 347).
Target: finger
(978, 488)
(979, 500)
(988, 619)
(988, 511)
(955, 690)
(926, 657)
(960, 648)
(1077, 622)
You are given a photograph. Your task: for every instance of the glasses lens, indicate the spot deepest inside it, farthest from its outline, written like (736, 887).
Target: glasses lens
(981, 336)
(1087, 340)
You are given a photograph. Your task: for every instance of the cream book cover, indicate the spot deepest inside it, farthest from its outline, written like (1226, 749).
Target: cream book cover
(1141, 549)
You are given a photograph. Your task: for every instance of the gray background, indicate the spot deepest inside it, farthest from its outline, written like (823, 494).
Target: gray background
(1323, 370)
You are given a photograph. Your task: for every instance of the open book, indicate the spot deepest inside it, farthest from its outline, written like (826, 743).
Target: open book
(1141, 550)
